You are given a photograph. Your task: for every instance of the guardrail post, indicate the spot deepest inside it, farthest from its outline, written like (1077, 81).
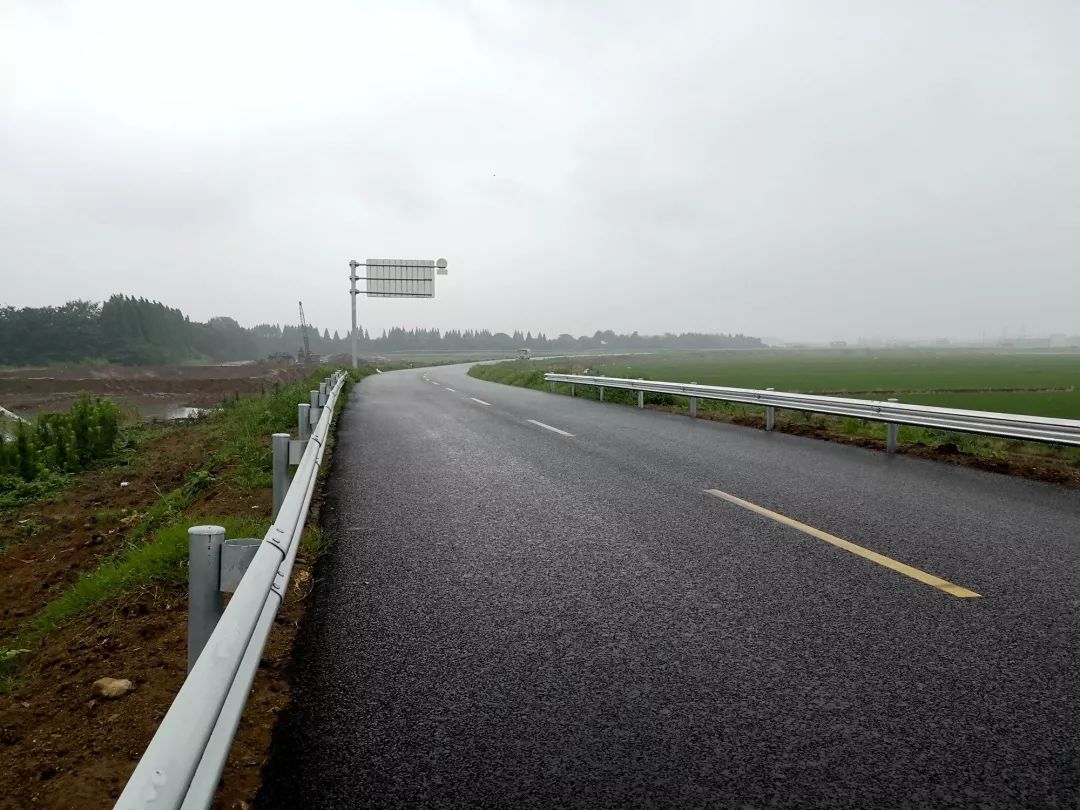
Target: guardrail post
(236, 557)
(770, 414)
(303, 421)
(322, 394)
(279, 466)
(891, 431)
(601, 393)
(693, 403)
(573, 390)
(205, 603)
(314, 407)
(641, 399)
(551, 386)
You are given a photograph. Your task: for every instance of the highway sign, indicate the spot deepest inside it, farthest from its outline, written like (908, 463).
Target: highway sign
(400, 278)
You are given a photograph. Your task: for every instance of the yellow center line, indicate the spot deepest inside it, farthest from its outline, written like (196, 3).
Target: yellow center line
(880, 559)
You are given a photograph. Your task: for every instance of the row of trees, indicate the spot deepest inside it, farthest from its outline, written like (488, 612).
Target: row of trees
(135, 331)
(274, 338)
(124, 329)
(61, 442)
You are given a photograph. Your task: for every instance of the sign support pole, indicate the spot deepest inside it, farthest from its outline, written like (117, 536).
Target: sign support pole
(352, 278)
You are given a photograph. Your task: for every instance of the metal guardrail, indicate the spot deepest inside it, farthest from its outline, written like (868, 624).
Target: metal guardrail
(892, 412)
(183, 763)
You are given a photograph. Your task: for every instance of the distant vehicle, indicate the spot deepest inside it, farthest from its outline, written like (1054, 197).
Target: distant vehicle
(281, 357)
(524, 354)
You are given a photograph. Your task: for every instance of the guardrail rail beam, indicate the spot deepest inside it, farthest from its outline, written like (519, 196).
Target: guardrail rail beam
(1006, 425)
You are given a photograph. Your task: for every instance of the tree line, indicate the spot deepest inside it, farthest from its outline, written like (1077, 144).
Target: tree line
(137, 331)
(124, 329)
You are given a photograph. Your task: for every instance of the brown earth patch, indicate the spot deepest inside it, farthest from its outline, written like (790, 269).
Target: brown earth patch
(63, 746)
(29, 390)
(185, 372)
(1048, 470)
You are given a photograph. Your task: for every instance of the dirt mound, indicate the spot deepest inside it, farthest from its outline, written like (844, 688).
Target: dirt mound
(28, 391)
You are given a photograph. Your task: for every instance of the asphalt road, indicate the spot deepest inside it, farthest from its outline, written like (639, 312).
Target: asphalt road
(517, 617)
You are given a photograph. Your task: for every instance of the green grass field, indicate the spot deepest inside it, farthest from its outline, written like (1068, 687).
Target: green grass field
(1043, 384)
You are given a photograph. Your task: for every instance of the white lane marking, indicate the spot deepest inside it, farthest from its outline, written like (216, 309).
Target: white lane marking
(552, 429)
(474, 399)
(434, 383)
(451, 390)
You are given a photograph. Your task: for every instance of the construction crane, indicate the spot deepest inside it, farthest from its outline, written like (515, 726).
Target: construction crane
(304, 355)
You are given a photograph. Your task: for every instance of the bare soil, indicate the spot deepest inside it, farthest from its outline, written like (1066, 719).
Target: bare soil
(50, 544)
(25, 391)
(61, 746)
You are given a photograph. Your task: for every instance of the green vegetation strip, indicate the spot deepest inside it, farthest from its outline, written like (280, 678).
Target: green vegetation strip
(162, 560)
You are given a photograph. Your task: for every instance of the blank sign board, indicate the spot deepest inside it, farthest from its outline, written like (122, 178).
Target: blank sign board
(401, 278)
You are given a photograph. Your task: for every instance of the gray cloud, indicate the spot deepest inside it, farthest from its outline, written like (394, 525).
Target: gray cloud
(806, 170)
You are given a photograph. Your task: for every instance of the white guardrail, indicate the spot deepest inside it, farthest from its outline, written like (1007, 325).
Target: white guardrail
(893, 413)
(183, 763)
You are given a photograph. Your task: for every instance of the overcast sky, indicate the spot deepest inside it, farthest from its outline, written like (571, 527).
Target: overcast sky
(804, 170)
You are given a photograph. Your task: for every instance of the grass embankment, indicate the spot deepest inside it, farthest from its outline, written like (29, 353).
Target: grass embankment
(1039, 384)
(98, 587)
(155, 544)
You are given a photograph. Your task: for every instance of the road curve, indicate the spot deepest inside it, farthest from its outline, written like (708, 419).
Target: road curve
(536, 601)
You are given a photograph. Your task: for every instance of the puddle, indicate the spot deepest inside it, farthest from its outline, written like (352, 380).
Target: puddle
(170, 411)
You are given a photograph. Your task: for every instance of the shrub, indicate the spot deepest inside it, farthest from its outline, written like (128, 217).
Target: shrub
(62, 442)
